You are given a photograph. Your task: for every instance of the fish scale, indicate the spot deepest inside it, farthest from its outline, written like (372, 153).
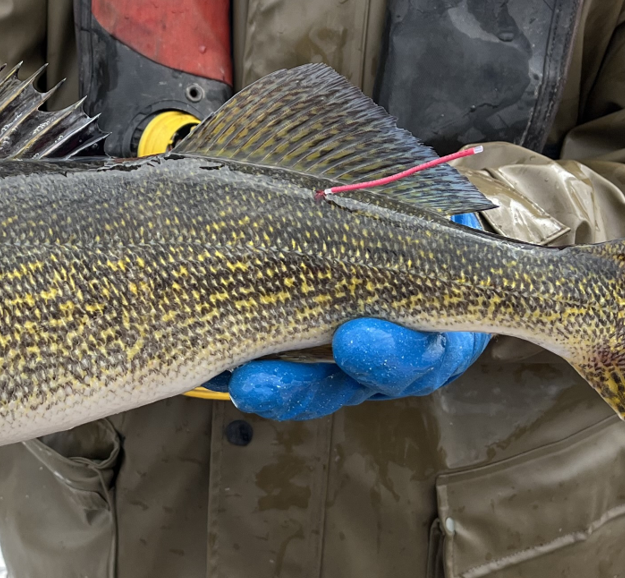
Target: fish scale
(125, 282)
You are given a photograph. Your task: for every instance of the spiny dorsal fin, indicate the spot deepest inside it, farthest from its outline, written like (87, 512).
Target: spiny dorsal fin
(312, 120)
(27, 132)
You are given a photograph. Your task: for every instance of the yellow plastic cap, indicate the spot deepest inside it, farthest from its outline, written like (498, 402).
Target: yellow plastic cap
(158, 136)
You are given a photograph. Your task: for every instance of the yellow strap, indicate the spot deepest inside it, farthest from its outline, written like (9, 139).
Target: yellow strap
(203, 393)
(158, 136)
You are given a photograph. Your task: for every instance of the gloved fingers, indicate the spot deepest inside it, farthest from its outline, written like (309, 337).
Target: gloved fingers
(393, 361)
(460, 350)
(481, 340)
(283, 390)
(385, 357)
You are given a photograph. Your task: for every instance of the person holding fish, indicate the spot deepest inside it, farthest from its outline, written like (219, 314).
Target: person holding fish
(445, 434)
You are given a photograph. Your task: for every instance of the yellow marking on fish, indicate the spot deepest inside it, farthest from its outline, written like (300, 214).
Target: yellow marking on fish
(321, 299)
(246, 303)
(215, 297)
(49, 295)
(305, 287)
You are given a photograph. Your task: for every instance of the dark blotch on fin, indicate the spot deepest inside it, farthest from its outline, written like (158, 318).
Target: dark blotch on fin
(311, 120)
(29, 133)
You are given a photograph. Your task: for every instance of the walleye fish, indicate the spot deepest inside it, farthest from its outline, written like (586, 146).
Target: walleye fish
(126, 282)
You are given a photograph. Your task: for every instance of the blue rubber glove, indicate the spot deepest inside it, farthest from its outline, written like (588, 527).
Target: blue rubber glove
(375, 359)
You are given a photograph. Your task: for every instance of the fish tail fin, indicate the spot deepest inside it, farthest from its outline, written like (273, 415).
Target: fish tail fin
(607, 377)
(602, 362)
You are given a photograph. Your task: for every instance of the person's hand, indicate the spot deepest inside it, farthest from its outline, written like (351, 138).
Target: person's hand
(375, 359)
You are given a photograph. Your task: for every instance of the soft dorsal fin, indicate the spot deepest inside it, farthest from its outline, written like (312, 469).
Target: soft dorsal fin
(27, 132)
(312, 120)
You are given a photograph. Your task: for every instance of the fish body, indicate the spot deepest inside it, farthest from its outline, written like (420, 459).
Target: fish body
(122, 283)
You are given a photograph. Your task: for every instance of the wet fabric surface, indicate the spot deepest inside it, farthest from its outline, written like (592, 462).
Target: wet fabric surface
(487, 70)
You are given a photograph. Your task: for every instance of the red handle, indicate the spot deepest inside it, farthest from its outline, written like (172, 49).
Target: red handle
(188, 35)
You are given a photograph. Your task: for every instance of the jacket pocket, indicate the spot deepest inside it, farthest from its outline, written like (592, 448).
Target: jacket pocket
(436, 551)
(58, 515)
(555, 511)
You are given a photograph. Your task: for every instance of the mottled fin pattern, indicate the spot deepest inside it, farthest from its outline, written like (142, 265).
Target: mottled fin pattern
(312, 120)
(606, 374)
(29, 133)
(602, 362)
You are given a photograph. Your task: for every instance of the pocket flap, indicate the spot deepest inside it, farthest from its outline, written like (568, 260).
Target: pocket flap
(82, 458)
(554, 511)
